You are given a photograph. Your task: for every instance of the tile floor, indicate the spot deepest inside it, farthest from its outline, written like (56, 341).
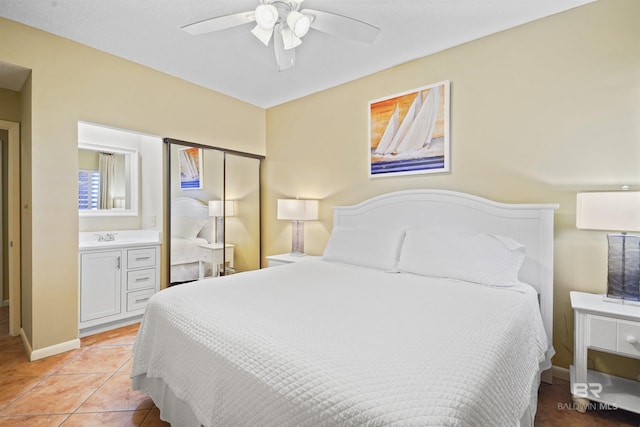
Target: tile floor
(91, 387)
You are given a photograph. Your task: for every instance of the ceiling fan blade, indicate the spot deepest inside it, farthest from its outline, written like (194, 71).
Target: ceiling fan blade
(342, 26)
(220, 23)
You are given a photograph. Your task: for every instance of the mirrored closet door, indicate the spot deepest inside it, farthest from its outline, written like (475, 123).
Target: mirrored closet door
(214, 211)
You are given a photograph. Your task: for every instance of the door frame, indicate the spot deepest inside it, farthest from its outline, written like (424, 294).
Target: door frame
(13, 226)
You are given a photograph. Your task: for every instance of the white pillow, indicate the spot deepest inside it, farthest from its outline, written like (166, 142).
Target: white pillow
(186, 227)
(464, 255)
(365, 246)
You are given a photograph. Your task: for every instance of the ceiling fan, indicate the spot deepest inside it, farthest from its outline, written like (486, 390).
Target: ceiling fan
(283, 21)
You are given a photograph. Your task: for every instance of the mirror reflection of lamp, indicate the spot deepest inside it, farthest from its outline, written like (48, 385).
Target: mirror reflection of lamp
(618, 211)
(215, 210)
(297, 211)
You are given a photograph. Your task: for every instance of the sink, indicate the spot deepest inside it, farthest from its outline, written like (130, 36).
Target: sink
(92, 240)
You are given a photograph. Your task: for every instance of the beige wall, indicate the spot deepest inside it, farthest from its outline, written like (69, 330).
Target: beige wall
(72, 83)
(538, 113)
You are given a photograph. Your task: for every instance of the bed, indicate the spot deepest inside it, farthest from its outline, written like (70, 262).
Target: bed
(428, 307)
(190, 227)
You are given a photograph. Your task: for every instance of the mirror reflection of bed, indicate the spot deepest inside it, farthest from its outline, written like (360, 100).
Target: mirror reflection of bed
(191, 227)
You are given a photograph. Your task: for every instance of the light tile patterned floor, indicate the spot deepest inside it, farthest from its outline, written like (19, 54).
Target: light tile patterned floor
(91, 387)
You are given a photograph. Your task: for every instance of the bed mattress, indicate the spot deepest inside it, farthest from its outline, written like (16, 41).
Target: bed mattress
(317, 343)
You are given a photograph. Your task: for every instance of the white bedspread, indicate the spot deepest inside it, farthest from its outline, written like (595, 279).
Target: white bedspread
(324, 344)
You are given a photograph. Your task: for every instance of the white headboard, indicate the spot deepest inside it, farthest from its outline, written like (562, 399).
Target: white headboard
(529, 224)
(186, 206)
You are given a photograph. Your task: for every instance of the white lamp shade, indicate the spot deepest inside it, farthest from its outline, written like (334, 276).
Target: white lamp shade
(611, 210)
(297, 210)
(263, 35)
(266, 16)
(289, 39)
(298, 23)
(215, 208)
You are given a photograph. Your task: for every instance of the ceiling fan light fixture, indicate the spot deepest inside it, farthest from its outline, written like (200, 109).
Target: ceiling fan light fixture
(261, 34)
(266, 16)
(298, 23)
(289, 39)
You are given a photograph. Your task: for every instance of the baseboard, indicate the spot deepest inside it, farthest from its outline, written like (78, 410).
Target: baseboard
(52, 350)
(560, 373)
(25, 341)
(5, 303)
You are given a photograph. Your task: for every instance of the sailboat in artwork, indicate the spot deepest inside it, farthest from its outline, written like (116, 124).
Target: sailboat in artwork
(417, 128)
(389, 132)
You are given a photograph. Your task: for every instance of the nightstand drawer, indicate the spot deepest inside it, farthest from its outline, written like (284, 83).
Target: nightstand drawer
(629, 338)
(138, 300)
(137, 258)
(140, 279)
(206, 255)
(602, 333)
(617, 336)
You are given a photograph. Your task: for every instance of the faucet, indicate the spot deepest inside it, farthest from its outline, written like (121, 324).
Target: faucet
(107, 237)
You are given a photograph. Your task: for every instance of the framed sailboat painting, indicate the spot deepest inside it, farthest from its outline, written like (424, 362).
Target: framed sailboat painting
(409, 132)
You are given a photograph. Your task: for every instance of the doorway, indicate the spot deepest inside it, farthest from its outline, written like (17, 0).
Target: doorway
(11, 222)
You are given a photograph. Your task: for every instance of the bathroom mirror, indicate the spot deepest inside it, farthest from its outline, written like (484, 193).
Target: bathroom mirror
(107, 180)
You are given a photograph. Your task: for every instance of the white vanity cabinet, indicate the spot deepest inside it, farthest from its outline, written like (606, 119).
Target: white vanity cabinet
(115, 285)
(100, 285)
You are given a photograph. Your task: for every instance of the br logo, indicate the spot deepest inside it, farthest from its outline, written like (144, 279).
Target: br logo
(587, 389)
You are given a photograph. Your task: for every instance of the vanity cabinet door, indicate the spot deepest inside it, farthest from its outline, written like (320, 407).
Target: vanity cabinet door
(100, 284)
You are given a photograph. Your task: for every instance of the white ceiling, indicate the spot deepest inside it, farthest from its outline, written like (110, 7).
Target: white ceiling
(235, 63)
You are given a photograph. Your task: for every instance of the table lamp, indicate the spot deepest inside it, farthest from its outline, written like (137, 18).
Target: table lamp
(297, 211)
(619, 211)
(215, 210)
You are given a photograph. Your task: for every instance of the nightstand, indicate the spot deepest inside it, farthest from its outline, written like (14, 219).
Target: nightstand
(612, 328)
(211, 253)
(282, 259)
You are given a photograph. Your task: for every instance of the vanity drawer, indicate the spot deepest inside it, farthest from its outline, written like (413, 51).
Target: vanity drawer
(138, 258)
(140, 279)
(137, 300)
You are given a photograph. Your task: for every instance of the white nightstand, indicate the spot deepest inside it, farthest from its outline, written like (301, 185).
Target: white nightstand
(211, 253)
(612, 328)
(282, 259)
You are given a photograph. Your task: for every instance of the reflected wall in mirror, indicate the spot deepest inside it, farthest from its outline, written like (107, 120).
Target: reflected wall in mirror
(242, 178)
(107, 180)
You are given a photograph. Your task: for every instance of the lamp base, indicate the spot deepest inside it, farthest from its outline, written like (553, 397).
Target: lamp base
(620, 301)
(297, 238)
(220, 229)
(624, 267)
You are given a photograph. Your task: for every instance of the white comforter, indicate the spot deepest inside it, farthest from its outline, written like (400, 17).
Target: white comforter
(325, 344)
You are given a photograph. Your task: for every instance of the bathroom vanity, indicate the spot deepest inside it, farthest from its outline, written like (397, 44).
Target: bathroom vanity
(118, 272)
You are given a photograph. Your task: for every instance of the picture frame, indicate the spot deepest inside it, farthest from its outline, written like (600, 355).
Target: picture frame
(190, 168)
(409, 132)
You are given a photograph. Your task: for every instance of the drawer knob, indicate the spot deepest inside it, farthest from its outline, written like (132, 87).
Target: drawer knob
(631, 339)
